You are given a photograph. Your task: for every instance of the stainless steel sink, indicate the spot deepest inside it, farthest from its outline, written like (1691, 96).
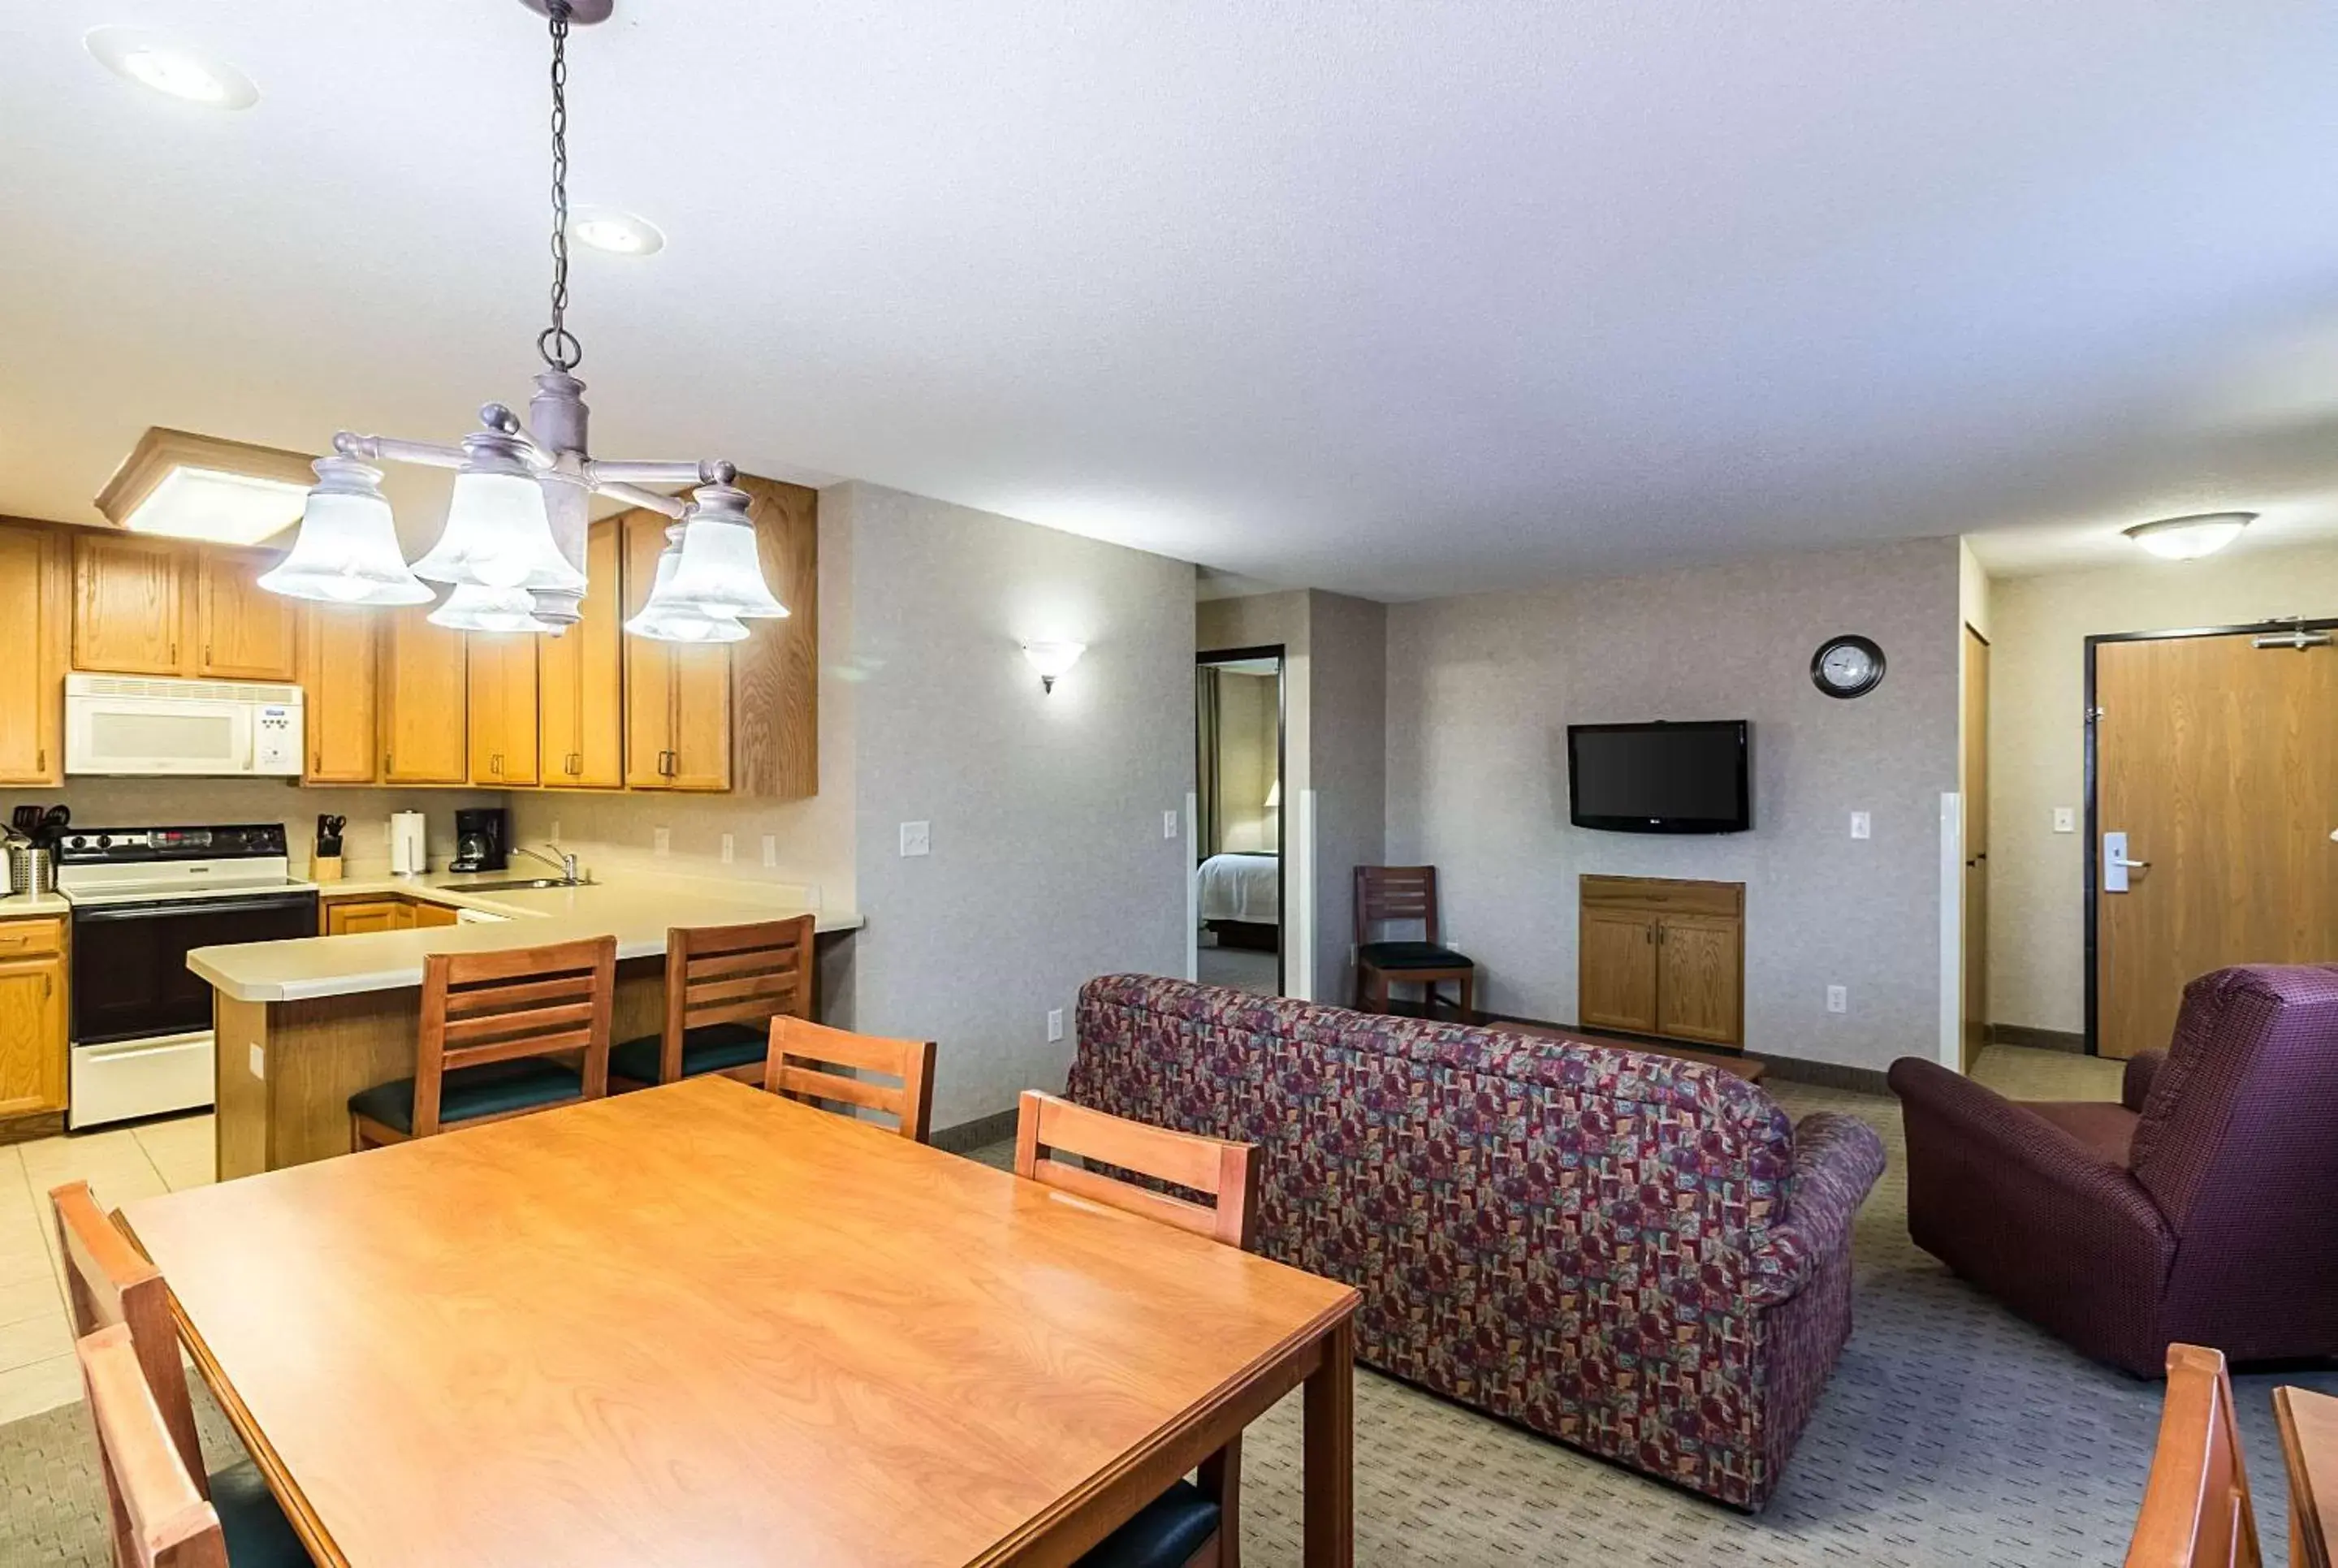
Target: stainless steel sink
(514, 885)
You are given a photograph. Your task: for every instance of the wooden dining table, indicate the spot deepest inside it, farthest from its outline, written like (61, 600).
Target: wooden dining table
(2309, 1446)
(700, 1324)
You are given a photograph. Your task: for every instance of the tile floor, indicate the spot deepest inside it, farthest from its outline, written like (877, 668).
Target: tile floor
(36, 1363)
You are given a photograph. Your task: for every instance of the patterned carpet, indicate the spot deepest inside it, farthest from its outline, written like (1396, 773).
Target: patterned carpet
(1951, 1433)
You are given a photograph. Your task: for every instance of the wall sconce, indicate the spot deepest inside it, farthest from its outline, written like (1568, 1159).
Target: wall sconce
(1052, 660)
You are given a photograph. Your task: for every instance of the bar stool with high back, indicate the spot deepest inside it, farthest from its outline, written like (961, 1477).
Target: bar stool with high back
(499, 1031)
(1193, 1524)
(114, 1292)
(723, 986)
(804, 1056)
(1388, 895)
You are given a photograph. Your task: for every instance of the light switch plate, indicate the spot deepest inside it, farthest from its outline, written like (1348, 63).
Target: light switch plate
(729, 849)
(2066, 819)
(771, 850)
(1860, 825)
(916, 838)
(258, 1063)
(661, 840)
(1168, 824)
(1838, 999)
(556, 830)
(1055, 1022)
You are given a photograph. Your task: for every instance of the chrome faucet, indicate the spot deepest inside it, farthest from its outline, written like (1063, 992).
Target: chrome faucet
(565, 864)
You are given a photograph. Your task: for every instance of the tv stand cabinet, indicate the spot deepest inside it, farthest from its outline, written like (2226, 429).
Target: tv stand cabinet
(1662, 957)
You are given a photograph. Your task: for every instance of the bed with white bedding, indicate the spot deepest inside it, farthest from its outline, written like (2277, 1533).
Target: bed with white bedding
(1242, 888)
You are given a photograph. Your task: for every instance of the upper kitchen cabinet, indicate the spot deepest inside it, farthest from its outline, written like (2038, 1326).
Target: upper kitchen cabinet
(581, 678)
(503, 692)
(32, 655)
(127, 603)
(337, 682)
(423, 680)
(677, 695)
(243, 631)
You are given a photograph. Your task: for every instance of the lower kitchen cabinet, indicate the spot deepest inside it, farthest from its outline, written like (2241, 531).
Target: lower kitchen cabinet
(32, 1017)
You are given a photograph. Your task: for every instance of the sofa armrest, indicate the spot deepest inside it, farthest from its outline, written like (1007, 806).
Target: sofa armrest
(1837, 1159)
(2141, 1068)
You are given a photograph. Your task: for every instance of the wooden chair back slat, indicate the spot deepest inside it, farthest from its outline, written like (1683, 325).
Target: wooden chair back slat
(2311, 1482)
(804, 1054)
(111, 1283)
(1047, 1125)
(745, 973)
(1388, 894)
(479, 1008)
(159, 1515)
(2197, 1512)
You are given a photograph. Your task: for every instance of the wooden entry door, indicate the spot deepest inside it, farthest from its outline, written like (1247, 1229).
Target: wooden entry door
(1975, 785)
(2218, 760)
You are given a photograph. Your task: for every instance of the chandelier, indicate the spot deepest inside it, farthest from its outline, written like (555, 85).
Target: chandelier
(512, 552)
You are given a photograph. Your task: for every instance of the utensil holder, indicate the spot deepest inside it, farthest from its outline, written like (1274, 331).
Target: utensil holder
(32, 870)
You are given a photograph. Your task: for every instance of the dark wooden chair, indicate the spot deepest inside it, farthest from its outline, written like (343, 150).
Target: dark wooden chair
(500, 1031)
(113, 1291)
(723, 986)
(2195, 1504)
(1393, 894)
(804, 1057)
(1194, 1523)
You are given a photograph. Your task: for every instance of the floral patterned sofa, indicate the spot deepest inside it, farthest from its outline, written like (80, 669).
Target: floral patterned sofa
(1637, 1255)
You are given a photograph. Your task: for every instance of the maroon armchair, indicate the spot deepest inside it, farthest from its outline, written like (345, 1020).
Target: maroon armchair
(2199, 1210)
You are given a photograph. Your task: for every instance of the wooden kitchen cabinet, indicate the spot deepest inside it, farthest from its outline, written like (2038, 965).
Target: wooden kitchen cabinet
(128, 604)
(338, 652)
(354, 916)
(424, 682)
(32, 1017)
(1662, 957)
(243, 632)
(677, 695)
(581, 678)
(503, 706)
(32, 644)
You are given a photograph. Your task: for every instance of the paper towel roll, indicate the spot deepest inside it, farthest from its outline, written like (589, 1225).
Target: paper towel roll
(409, 847)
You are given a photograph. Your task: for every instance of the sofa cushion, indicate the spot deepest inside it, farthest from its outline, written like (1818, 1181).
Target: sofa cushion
(2106, 1129)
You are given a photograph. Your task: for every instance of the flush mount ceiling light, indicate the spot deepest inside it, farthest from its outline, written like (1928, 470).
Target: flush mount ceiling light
(2189, 538)
(154, 61)
(191, 486)
(1052, 660)
(619, 233)
(513, 550)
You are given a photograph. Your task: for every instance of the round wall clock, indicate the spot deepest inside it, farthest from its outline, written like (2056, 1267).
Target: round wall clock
(1847, 667)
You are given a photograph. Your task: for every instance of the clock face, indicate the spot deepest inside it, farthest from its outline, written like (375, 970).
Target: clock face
(1847, 666)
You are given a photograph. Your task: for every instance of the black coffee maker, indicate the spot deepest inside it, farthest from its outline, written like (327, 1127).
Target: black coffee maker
(482, 839)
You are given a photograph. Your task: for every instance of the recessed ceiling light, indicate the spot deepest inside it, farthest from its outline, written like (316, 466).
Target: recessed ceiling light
(152, 61)
(2189, 538)
(619, 233)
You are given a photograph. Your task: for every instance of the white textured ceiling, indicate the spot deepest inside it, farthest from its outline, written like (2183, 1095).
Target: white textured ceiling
(1400, 298)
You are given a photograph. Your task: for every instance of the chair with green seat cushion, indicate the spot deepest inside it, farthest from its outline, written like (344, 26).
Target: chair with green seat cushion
(503, 1033)
(723, 986)
(1386, 894)
(255, 1527)
(1167, 1533)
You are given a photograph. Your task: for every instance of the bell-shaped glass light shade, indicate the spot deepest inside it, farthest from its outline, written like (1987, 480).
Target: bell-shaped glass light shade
(664, 618)
(346, 551)
(474, 609)
(498, 531)
(719, 574)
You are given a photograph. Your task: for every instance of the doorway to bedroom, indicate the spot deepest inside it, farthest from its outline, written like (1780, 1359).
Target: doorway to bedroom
(1238, 802)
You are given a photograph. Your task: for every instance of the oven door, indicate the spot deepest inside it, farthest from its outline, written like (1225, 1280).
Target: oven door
(129, 973)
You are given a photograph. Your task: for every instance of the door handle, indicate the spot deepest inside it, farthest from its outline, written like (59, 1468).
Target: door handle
(2117, 864)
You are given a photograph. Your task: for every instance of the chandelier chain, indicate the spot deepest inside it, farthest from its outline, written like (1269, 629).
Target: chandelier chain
(559, 346)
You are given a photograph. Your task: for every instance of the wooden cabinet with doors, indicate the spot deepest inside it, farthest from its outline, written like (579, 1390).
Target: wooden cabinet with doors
(127, 603)
(32, 1017)
(242, 631)
(423, 689)
(503, 706)
(31, 647)
(361, 913)
(339, 648)
(1662, 957)
(581, 678)
(677, 695)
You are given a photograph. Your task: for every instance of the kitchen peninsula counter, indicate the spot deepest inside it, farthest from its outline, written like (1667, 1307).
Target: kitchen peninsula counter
(303, 1025)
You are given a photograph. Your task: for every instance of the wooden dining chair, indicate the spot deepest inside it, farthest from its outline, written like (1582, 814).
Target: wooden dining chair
(1193, 1524)
(1402, 895)
(804, 1057)
(723, 986)
(499, 1032)
(159, 1517)
(111, 1289)
(2297, 1412)
(2196, 1504)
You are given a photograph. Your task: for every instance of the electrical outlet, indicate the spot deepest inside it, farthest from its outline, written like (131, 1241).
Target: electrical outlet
(661, 840)
(2066, 819)
(1055, 1023)
(1168, 824)
(771, 852)
(1838, 999)
(916, 838)
(556, 830)
(729, 849)
(1860, 825)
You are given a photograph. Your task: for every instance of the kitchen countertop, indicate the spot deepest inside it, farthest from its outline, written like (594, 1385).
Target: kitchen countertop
(22, 904)
(637, 912)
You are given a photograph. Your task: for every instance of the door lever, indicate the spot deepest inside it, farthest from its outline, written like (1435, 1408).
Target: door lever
(2116, 864)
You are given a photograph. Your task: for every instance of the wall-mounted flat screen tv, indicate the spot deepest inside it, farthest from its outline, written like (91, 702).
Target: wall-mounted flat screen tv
(1661, 778)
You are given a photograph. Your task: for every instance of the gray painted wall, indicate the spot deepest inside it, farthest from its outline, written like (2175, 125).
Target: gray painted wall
(1480, 690)
(1348, 762)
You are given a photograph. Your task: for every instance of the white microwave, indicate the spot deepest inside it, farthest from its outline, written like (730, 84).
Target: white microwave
(135, 725)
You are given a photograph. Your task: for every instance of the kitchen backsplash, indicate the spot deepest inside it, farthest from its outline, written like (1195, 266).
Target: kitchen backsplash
(183, 802)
